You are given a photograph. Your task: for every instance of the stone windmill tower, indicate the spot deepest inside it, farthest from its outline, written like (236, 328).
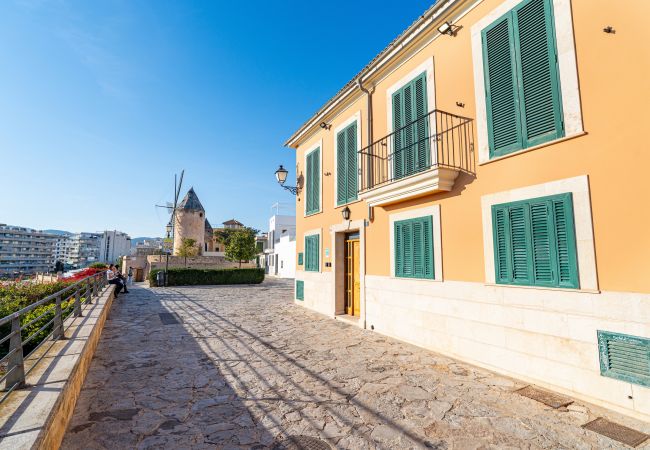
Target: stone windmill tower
(189, 222)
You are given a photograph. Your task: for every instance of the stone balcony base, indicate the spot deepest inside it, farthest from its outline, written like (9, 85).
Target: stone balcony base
(435, 179)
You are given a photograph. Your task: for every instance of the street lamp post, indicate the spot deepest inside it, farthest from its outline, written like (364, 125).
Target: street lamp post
(281, 176)
(169, 231)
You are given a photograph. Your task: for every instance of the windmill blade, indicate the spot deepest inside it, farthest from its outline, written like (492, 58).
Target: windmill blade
(178, 190)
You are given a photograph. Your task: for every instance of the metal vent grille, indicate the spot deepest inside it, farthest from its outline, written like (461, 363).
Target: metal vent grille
(624, 357)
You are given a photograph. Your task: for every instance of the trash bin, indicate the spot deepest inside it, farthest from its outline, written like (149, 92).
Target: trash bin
(160, 278)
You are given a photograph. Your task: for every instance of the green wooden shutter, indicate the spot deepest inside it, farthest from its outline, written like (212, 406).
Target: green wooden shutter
(541, 233)
(564, 227)
(414, 248)
(421, 126)
(300, 290)
(341, 168)
(537, 72)
(520, 245)
(398, 160)
(313, 182)
(351, 164)
(534, 242)
(316, 180)
(346, 164)
(624, 357)
(399, 249)
(308, 187)
(502, 95)
(521, 78)
(300, 258)
(411, 139)
(312, 253)
(501, 236)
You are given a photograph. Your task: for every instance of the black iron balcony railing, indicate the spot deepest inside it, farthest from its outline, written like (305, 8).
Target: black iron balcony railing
(438, 139)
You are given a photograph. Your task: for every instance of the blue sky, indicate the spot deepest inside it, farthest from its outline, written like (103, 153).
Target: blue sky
(101, 102)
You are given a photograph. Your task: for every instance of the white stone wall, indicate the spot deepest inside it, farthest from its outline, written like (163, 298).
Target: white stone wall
(286, 251)
(547, 337)
(319, 293)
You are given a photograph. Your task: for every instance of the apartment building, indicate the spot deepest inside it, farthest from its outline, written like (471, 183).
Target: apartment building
(84, 249)
(113, 245)
(458, 193)
(24, 251)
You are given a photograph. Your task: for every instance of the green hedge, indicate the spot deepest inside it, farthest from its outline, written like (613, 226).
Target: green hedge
(187, 277)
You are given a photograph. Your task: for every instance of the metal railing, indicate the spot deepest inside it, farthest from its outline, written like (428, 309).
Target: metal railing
(437, 139)
(75, 295)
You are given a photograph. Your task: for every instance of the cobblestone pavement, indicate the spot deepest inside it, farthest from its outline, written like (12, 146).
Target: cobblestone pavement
(246, 368)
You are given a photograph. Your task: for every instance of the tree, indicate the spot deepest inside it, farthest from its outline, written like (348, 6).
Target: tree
(241, 246)
(223, 235)
(188, 248)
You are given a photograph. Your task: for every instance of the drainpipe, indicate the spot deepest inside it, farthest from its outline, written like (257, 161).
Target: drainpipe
(369, 113)
(368, 163)
(369, 107)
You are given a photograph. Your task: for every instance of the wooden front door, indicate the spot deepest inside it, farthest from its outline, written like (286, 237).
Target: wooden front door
(352, 286)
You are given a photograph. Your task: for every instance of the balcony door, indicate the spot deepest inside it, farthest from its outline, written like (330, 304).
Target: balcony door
(411, 149)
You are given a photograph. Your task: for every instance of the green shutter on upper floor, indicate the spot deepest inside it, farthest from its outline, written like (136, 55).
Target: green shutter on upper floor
(411, 138)
(523, 99)
(413, 241)
(534, 242)
(346, 164)
(312, 195)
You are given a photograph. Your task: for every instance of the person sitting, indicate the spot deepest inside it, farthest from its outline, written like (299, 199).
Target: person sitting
(113, 279)
(122, 279)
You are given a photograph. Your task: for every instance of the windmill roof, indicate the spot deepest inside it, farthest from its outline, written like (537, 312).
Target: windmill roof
(208, 227)
(191, 202)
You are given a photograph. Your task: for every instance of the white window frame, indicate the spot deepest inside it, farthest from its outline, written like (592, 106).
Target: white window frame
(356, 117)
(310, 149)
(568, 72)
(434, 212)
(586, 255)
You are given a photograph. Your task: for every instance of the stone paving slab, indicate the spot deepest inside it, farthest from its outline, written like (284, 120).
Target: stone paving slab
(246, 368)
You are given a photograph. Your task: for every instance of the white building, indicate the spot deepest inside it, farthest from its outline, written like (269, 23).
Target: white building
(280, 254)
(114, 245)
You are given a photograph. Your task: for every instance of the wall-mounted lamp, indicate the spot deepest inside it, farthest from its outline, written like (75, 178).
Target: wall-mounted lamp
(460, 104)
(346, 213)
(325, 125)
(609, 30)
(448, 28)
(281, 176)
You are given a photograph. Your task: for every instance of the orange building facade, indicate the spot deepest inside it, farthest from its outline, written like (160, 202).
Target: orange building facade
(478, 189)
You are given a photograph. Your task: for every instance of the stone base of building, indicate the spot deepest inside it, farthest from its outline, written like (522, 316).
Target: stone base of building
(543, 336)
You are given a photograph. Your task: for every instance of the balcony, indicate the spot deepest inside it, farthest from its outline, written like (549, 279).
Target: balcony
(424, 157)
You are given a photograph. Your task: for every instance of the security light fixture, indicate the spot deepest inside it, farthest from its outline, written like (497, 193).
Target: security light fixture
(448, 28)
(325, 125)
(346, 213)
(281, 176)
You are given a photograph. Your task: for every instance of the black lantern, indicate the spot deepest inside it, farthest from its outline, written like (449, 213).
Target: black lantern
(169, 229)
(281, 176)
(346, 213)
